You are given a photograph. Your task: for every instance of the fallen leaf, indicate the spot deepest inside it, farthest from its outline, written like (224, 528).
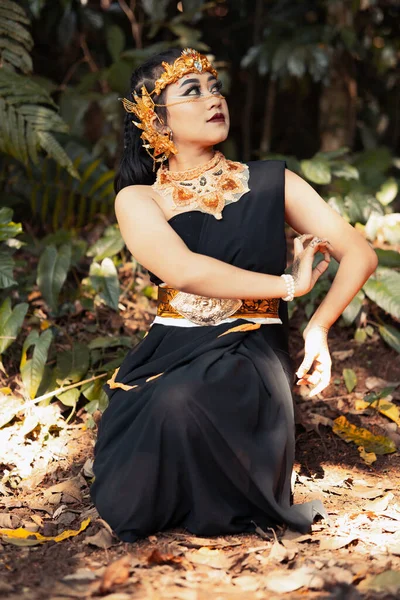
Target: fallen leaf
(248, 583)
(382, 405)
(156, 558)
(281, 581)
(101, 539)
(386, 581)
(394, 548)
(379, 444)
(350, 379)
(9, 521)
(118, 596)
(280, 553)
(378, 506)
(115, 574)
(87, 468)
(212, 558)
(336, 542)
(295, 536)
(361, 491)
(368, 457)
(372, 383)
(334, 575)
(15, 535)
(82, 574)
(342, 354)
(70, 487)
(199, 542)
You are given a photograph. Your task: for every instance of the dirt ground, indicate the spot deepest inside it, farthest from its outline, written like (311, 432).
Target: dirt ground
(355, 554)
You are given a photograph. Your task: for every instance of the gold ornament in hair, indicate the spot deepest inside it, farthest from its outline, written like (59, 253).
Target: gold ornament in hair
(143, 107)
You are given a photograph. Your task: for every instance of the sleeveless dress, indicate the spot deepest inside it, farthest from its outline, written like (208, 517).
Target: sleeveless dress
(206, 439)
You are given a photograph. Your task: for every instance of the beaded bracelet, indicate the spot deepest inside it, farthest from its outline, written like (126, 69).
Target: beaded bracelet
(290, 286)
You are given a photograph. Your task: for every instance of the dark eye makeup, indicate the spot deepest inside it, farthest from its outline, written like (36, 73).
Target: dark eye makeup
(217, 85)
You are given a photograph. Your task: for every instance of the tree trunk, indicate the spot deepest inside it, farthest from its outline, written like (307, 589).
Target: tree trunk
(337, 114)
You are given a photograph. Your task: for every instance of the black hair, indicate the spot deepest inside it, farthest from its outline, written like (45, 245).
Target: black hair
(136, 166)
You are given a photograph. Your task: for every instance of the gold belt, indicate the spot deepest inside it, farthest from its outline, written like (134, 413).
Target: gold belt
(202, 310)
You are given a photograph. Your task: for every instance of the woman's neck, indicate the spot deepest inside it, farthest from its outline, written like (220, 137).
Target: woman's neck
(187, 160)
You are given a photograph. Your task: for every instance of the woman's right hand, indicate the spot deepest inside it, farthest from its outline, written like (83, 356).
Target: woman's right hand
(303, 274)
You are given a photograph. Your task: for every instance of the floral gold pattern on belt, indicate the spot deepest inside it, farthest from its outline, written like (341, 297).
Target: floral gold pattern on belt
(203, 310)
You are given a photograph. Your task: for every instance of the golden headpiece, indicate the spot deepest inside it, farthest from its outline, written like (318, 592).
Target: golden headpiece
(190, 61)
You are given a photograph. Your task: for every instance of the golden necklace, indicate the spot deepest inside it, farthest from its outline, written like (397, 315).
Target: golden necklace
(207, 188)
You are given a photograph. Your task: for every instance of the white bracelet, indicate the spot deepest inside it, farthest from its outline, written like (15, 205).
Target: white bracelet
(290, 286)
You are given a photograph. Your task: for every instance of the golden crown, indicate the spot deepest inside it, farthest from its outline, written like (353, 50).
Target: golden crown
(190, 61)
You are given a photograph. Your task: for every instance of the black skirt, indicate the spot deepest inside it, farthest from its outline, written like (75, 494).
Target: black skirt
(199, 431)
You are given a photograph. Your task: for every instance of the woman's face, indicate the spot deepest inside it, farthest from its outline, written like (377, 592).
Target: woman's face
(203, 122)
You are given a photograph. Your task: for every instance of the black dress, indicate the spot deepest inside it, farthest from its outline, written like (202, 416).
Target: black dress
(208, 444)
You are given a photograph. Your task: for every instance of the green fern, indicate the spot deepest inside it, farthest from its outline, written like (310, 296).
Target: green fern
(56, 198)
(15, 40)
(28, 115)
(26, 125)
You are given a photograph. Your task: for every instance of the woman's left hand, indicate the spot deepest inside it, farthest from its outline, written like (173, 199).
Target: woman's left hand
(315, 351)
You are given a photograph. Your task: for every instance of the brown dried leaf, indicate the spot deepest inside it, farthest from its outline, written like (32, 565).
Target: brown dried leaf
(115, 574)
(70, 487)
(156, 558)
(380, 504)
(199, 542)
(281, 581)
(342, 354)
(9, 521)
(295, 536)
(212, 558)
(360, 491)
(248, 583)
(373, 383)
(280, 553)
(101, 539)
(336, 542)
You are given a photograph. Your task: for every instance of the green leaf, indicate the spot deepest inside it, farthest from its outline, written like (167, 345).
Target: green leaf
(52, 272)
(350, 379)
(99, 403)
(53, 149)
(9, 230)
(391, 336)
(388, 258)
(316, 170)
(6, 270)
(383, 287)
(72, 364)
(345, 171)
(388, 191)
(352, 310)
(70, 397)
(104, 279)
(11, 322)
(110, 244)
(360, 335)
(110, 342)
(115, 41)
(32, 369)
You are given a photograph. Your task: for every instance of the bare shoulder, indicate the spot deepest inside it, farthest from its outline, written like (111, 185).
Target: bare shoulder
(137, 197)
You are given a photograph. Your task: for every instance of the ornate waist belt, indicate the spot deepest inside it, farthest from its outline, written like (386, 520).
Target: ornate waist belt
(202, 310)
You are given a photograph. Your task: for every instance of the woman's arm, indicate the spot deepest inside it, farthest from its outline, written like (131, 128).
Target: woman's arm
(307, 212)
(156, 246)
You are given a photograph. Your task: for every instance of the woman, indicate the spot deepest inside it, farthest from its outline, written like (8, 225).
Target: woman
(199, 431)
